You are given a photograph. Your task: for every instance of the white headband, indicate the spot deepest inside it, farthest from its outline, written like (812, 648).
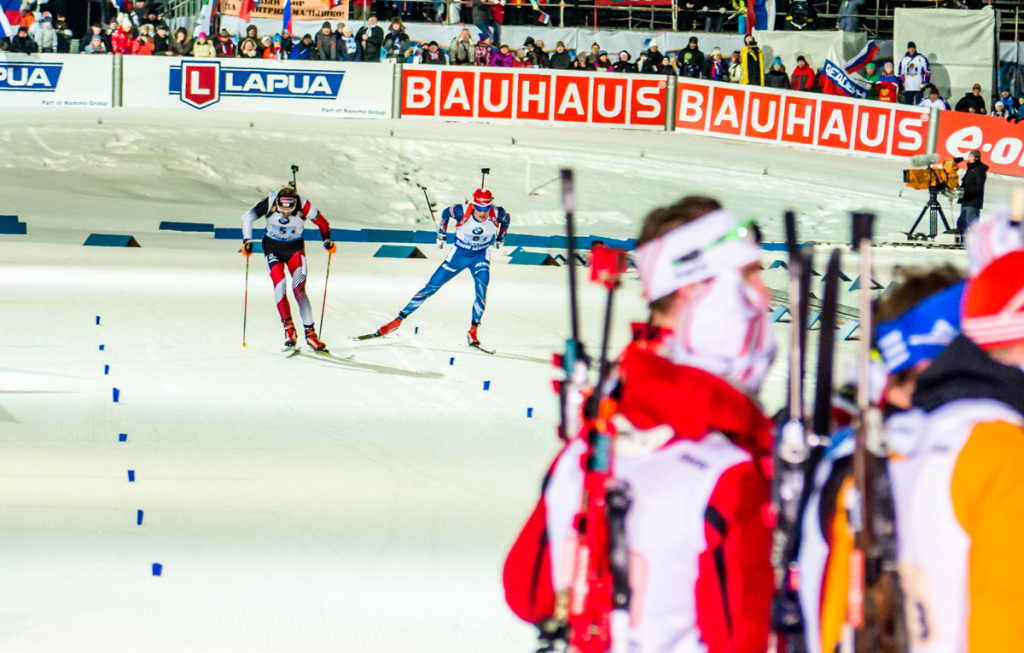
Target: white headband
(694, 252)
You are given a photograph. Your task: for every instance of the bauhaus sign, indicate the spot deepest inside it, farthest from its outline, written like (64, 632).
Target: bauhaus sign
(202, 84)
(453, 93)
(801, 119)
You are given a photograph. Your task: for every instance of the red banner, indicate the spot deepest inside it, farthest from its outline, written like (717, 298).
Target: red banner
(531, 94)
(1001, 143)
(800, 119)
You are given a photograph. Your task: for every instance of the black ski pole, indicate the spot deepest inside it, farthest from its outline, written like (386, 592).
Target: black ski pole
(429, 206)
(574, 361)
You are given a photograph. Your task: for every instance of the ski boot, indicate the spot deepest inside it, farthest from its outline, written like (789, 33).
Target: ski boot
(289, 332)
(389, 327)
(313, 341)
(471, 336)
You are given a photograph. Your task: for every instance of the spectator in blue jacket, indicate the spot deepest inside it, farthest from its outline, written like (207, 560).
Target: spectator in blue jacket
(302, 48)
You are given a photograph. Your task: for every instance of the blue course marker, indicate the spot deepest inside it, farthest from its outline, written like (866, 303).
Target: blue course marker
(117, 395)
(529, 412)
(415, 330)
(157, 569)
(487, 385)
(131, 475)
(97, 320)
(451, 361)
(106, 370)
(122, 437)
(101, 347)
(138, 518)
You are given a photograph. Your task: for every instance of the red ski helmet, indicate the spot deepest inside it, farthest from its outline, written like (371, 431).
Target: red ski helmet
(482, 199)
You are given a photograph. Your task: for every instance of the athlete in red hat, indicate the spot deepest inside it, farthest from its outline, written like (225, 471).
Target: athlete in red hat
(478, 225)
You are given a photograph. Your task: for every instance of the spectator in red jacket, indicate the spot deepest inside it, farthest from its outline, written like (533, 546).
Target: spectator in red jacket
(121, 40)
(225, 46)
(802, 77)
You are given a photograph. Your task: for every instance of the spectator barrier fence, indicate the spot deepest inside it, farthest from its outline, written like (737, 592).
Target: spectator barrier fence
(532, 96)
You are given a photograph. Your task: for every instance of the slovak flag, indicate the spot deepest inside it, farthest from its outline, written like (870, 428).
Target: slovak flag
(287, 17)
(246, 8)
(10, 17)
(122, 5)
(544, 19)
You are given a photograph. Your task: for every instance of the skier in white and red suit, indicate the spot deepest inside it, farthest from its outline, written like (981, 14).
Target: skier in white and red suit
(692, 443)
(284, 246)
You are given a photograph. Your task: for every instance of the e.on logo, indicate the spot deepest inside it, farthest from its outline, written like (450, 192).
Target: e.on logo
(801, 119)
(533, 95)
(1000, 142)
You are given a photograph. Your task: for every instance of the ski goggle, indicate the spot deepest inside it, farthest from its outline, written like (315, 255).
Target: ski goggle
(287, 203)
(483, 208)
(747, 230)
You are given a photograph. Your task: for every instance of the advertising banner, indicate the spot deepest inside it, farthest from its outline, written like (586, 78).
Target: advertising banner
(344, 90)
(491, 94)
(53, 80)
(1000, 142)
(302, 10)
(815, 121)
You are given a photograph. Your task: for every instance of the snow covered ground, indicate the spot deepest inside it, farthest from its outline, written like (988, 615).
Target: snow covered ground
(301, 503)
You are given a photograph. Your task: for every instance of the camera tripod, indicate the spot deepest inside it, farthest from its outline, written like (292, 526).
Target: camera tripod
(934, 211)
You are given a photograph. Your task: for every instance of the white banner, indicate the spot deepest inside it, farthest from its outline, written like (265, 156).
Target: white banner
(55, 80)
(960, 47)
(343, 90)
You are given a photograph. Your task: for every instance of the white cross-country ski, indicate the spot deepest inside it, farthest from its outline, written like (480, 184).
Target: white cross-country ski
(486, 351)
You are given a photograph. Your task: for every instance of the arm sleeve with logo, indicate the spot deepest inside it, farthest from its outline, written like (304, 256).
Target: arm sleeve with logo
(988, 496)
(254, 214)
(317, 218)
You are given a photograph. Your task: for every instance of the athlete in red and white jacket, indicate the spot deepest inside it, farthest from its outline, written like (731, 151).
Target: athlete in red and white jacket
(285, 247)
(692, 445)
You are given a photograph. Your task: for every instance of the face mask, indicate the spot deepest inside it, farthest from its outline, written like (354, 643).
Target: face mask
(726, 331)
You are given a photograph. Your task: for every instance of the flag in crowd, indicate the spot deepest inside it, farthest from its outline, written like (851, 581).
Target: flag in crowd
(287, 16)
(246, 8)
(10, 17)
(122, 5)
(841, 76)
(204, 24)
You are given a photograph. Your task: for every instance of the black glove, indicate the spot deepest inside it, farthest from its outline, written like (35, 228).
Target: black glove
(247, 246)
(498, 243)
(329, 245)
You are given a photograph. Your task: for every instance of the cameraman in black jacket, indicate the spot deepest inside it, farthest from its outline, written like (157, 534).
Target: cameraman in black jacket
(973, 185)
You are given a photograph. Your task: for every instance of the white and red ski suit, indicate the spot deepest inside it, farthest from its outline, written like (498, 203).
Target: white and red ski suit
(696, 453)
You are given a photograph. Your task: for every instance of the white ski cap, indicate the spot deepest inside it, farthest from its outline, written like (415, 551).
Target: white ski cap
(695, 252)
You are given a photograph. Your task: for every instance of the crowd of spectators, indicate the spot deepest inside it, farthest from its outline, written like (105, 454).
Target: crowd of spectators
(143, 32)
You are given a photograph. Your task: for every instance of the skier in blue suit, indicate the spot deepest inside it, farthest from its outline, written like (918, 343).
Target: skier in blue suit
(478, 225)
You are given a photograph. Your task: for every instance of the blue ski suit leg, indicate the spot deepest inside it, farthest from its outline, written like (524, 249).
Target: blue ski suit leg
(458, 260)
